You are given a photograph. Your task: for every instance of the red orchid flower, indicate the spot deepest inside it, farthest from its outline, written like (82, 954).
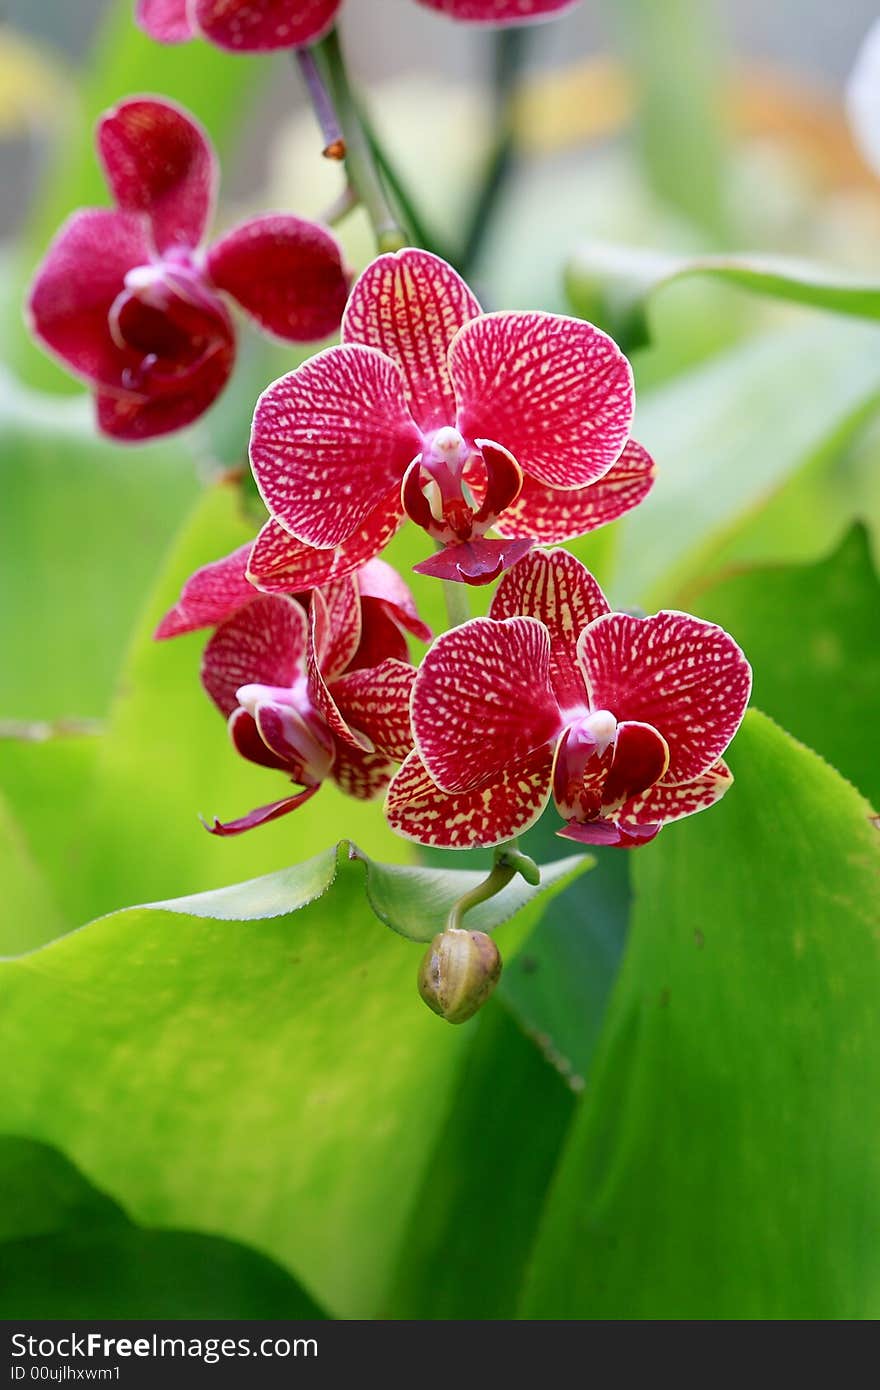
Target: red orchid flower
(257, 26)
(296, 701)
(622, 720)
(459, 419)
(131, 301)
(374, 599)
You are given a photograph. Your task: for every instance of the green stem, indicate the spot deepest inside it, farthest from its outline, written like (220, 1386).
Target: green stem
(508, 862)
(360, 165)
(511, 48)
(421, 234)
(455, 596)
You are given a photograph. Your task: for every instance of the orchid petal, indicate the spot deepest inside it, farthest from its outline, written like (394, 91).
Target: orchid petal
(210, 596)
(555, 391)
(76, 285)
(377, 702)
(382, 639)
(561, 593)
(341, 627)
(667, 802)
(259, 26)
(261, 816)
(410, 305)
(287, 273)
(320, 695)
(281, 564)
(641, 757)
(488, 814)
(160, 163)
(553, 514)
(380, 581)
(482, 700)
(167, 21)
(686, 677)
(500, 12)
(610, 833)
(475, 562)
(330, 443)
(134, 417)
(247, 741)
(360, 773)
(263, 644)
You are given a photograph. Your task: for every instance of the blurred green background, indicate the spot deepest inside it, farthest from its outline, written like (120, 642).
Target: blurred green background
(670, 1108)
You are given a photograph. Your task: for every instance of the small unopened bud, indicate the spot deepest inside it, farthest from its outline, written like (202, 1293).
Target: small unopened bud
(459, 971)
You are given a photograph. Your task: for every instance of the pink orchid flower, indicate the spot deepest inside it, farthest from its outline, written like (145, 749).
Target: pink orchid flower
(315, 689)
(130, 300)
(258, 26)
(375, 599)
(621, 720)
(461, 420)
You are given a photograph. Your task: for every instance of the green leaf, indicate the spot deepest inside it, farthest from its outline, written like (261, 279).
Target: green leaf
(28, 914)
(729, 434)
(812, 634)
(68, 1251)
(277, 1081)
(475, 1217)
(624, 280)
(413, 900)
(83, 527)
(725, 1163)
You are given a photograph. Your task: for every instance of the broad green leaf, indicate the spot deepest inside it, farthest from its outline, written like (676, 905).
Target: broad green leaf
(728, 435)
(68, 1251)
(413, 900)
(725, 1163)
(215, 87)
(625, 280)
(277, 1082)
(28, 914)
(83, 527)
(475, 1217)
(812, 634)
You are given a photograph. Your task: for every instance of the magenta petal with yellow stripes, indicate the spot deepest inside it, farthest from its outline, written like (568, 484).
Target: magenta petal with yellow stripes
(555, 391)
(553, 514)
(671, 801)
(280, 563)
(338, 605)
(488, 814)
(210, 596)
(410, 305)
(159, 162)
(330, 443)
(560, 592)
(376, 701)
(686, 677)
(263, 644)
(482, 700)
(360, 773)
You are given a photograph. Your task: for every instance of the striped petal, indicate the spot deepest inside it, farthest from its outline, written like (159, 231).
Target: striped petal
(330, 443)
(488, 814)
(360, 773)
(552, 514)
(376, 701)
(76, 286)
(287, 273)
(320, 695)
(210, 596)
(247, 741)
(410, 305)
(482, 700)
(561, 593)
(500, 12)
(667, 802)
(555, 391)
(160, 163)
(380, 581)
(281, 564)
(259, 26)
(263, 644)
(687, 678)
(340, 626)
(167, 21)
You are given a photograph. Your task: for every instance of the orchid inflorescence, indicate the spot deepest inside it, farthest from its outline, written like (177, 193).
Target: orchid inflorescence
(501, 435)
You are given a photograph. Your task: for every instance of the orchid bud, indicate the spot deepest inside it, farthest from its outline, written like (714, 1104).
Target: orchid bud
(459, 971)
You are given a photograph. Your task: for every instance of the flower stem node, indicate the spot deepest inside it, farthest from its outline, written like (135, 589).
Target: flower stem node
(459, 971)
